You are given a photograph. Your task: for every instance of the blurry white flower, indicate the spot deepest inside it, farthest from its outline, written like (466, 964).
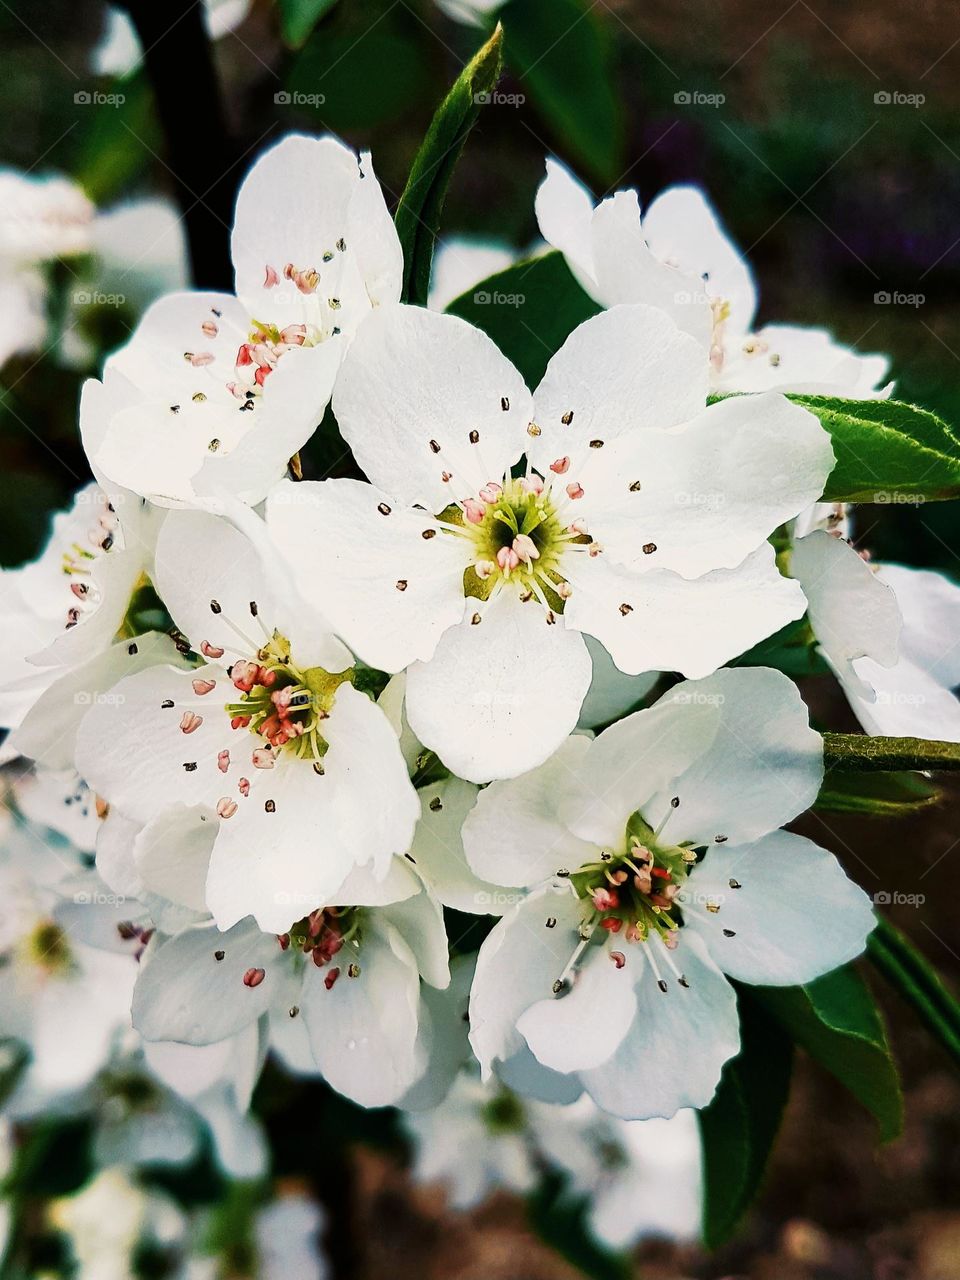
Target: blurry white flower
(642, 520)
(119, 52)
(591, 981)
(680, 258)
(891, 634)
(461, 262)
(215, 392)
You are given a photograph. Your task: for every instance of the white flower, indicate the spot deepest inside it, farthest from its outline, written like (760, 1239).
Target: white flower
(655, 868)
(472, 13)
(266, 752)
(66, 607)
(215, 392)
(346, 978)
(287, 1239)
(890, 634)
(641, 519)
(640, 1177)
(680, 258)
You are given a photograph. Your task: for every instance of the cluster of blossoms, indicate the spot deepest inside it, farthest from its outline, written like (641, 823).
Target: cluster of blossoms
(279, 726)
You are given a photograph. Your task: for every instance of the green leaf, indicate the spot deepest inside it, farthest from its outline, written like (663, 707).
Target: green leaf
(562, 55)
(299, 17)
(872, 754)
(528, 310)
(560, 1220)
(836, 1021)
(887, 795)
(418, 213)
(791, 650)
(887, 451)
(918, 983)
(739, 1126)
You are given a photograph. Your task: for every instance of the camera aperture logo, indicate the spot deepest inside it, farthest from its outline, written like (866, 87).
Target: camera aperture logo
(482, 298)
(96, 98)
(294, 98)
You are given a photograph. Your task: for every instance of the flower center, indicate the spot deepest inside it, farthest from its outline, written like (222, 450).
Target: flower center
(282, 703)
(258, 357)
(521, 532)
(47, 949)
(323, 935)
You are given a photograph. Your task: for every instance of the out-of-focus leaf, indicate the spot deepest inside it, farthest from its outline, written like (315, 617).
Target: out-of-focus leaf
(562, 55)
(420, 207)
(887, 795)
(299, 17)
(739, 1126)
(887, 451)
(918, 983)
(528, 310)
(367, 64)
(837, 1022)
(117, 140)
(560, 1219)
(791, 650)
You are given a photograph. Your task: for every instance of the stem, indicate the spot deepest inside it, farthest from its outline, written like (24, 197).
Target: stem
(917, 982)
(865, 753)
(179, 63)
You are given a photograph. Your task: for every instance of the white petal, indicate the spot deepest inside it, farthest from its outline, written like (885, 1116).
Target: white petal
(679, 1040)
(930, 603)
(530, 1078)
(517, 965)
(763, 766)
(682, 229)
(852, 612)
(172, 855)
(497, 698)
(583, 1028)
(514, 834)
(390, 592)
(372, 235)
(661, 621)
(438, 852)
(902, 701)
(564, 210)
(621, 371)
(49, 730)
(783, 357)
(363, 1030)
(792, 916)
(712, 490)
(629, 764)
(419, 922)
(413, 387)
(612, 694)
(627, 270)
(185, 993)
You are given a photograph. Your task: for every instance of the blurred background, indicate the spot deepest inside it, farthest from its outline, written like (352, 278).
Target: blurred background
(827, 137)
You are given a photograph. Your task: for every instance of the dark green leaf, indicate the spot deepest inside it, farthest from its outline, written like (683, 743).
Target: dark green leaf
(561, 54)
(739, 1126)
(420, 207)
(872, 754)
(528, 310)
(836, 1021)
(791, 650)
(887, 451)
(560, 1219)
(888, 795)
(918, 983)
(299, 17)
